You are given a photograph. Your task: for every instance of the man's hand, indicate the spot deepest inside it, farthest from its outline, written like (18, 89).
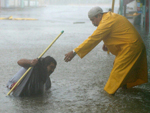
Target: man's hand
(104, 48)
(69, 56)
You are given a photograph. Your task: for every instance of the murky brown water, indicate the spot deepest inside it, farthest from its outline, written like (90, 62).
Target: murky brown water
(77, 86)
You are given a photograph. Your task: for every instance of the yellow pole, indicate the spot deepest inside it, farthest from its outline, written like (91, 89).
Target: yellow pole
(51, 44)
(113, 2)
(31, 67)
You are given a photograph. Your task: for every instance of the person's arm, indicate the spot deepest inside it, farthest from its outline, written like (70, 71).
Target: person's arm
(27, 62)
(89, 43)
(102, 31)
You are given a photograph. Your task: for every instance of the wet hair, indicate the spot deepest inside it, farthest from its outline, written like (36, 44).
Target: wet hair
(37, 78)
(48, 60)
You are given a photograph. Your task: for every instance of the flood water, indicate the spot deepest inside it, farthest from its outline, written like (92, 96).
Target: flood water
(77, 86)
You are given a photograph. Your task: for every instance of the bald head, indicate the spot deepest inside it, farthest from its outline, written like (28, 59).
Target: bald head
(94, 11)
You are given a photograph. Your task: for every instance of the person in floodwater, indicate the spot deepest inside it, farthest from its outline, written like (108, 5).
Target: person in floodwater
(42, 69)
(122, 39)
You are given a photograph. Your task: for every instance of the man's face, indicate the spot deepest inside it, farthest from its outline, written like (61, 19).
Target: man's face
(51, 68)
(95, 20)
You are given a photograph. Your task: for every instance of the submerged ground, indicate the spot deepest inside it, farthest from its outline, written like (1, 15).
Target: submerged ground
(77, 86)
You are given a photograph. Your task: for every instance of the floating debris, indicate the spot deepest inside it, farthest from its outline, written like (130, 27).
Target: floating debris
(78, 22)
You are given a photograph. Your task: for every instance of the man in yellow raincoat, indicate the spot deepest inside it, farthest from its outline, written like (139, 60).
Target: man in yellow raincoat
(122, 40)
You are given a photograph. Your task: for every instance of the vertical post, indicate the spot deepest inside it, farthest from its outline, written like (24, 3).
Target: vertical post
(149, 15)
(121, 7)
(113, 2)
(125, 8)
(144, 12)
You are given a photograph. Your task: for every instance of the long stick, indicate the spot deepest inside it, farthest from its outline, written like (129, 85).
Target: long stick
(31, 67)
(113, 2)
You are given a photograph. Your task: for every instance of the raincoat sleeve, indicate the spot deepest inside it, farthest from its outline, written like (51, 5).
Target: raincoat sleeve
(101, 32)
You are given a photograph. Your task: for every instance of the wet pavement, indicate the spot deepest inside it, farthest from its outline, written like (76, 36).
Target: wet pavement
(77, 86)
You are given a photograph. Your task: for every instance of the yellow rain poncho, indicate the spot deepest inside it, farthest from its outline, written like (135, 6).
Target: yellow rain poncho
(123, 41)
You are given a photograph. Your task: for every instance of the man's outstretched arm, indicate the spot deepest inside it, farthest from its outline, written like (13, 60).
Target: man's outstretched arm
(27, 62)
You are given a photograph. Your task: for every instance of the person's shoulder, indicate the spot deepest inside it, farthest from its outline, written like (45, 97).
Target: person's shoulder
(110, 14)
(111, 17)
(106, 16)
